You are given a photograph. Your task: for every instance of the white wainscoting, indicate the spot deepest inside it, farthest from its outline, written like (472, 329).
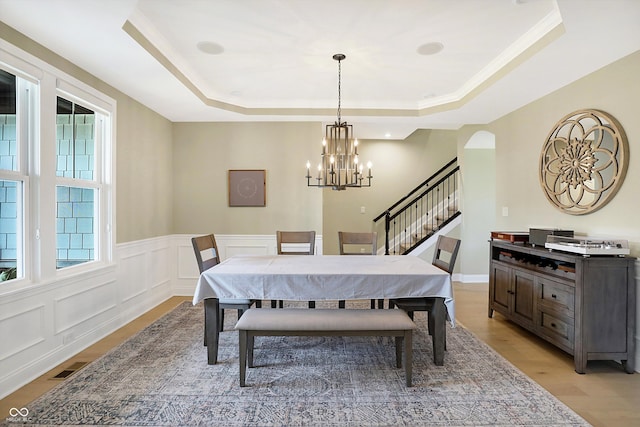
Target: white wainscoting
(43, 324)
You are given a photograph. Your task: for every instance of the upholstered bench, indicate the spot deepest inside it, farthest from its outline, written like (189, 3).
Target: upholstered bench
(325, 322)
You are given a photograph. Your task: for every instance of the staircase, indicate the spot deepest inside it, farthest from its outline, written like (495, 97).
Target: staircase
(422, 213)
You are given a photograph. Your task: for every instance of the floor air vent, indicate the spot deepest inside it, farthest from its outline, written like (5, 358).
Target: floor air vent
(69, 371)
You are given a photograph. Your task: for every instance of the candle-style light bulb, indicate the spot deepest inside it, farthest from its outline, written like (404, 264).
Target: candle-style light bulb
(308, 164)
(355, 146)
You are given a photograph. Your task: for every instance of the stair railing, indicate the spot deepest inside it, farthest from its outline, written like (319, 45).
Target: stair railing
(422, 212)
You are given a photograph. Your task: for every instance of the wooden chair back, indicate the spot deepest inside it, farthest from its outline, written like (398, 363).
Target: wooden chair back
(446, 253)
(292, 242)
(354, 243)
(206, 251)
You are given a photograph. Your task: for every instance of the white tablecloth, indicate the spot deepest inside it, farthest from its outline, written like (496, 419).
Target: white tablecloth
(325, 277)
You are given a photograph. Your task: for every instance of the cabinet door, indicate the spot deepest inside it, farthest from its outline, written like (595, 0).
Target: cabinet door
(499, 288)
(523, 297)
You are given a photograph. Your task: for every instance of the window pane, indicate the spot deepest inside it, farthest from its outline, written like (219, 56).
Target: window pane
(75, 141)
(8, 159)
(75, 225)
(10, 228)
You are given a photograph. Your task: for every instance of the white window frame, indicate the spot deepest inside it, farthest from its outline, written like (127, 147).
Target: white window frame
(38, 163)
(26, 92)
(103, 237)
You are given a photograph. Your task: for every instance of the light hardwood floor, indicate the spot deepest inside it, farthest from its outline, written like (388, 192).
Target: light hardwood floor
(605, 396)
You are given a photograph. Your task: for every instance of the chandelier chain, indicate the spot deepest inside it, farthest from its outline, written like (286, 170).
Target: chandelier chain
(339, 88)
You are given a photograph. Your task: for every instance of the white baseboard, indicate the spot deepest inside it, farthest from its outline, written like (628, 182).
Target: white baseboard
(470, 278)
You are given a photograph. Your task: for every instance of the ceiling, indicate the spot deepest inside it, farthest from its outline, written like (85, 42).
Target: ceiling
(409, 63)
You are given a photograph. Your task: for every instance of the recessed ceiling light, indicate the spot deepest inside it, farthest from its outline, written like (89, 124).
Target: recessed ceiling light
(210, 48)
(387, 135)
(430, 48)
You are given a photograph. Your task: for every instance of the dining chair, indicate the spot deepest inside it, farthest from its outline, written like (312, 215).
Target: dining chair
(444, 258)
(207, 255)
(355, 243)
(295, 243)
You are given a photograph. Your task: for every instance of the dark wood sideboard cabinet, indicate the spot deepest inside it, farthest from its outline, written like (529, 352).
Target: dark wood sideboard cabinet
(584, 305)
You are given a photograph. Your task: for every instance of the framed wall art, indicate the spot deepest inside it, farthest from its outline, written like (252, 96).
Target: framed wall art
(247, 187)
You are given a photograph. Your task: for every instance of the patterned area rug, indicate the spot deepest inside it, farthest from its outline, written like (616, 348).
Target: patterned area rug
(160, 378)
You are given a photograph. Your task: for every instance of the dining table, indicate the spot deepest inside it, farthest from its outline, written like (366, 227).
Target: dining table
(323, 278)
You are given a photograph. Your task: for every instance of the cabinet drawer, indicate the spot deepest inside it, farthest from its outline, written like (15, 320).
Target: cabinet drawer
(556, 297)
(557, 331)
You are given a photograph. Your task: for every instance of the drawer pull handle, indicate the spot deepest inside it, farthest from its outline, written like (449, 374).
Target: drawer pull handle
(553, 324)
(554, 296)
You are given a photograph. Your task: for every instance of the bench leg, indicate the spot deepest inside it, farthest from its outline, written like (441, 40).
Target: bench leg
(242, 345)
(408, 356)
(399, 342)
(212, 334)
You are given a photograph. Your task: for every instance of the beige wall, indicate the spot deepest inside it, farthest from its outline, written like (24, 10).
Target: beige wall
(144, 173)
(521, 135)
(478, 207)
(398, 166)
(204, 152)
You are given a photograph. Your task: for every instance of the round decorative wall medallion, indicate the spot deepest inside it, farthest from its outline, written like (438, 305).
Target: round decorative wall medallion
(584, 161)
(247, 188)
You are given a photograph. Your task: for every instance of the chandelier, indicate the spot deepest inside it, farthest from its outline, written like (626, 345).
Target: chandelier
(339, 166)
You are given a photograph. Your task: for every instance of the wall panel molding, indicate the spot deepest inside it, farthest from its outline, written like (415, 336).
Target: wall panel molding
(30, 323)
(81, 305)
